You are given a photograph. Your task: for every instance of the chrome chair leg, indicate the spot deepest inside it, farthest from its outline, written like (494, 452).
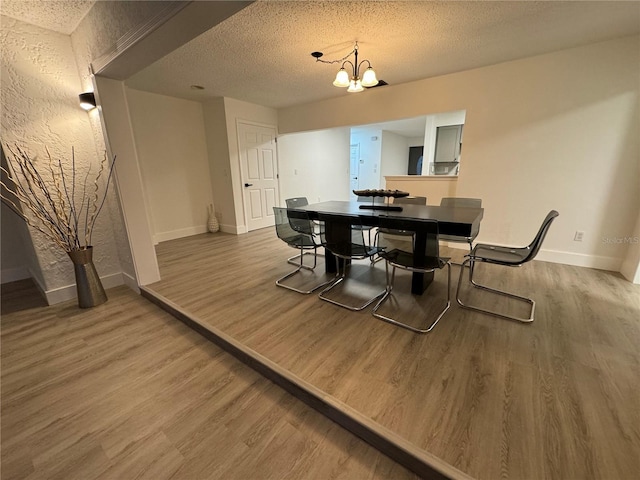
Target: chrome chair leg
(279, 282)
(404, 325)
(529, 301)
(470, 250)
(339, 278)
(294, 260)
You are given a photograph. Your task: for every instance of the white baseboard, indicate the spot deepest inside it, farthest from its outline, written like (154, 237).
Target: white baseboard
(568, 258)
(235, 229)
(131, 282)
(14, 274)
(62, 294)
(180, 233)
(581, 260)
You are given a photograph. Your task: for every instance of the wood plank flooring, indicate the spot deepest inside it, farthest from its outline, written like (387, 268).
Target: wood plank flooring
(125, 391)
(557, 398)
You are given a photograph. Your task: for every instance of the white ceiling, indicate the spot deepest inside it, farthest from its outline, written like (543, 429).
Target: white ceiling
(60, 16)
(262, 53)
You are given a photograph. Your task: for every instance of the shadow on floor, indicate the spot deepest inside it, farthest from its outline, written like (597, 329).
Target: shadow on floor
(20, 295)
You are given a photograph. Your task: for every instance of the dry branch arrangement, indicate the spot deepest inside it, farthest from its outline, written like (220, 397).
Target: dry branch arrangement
(58, 205)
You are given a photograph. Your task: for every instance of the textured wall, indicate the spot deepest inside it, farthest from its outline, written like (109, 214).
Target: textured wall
(40, 86)
(96, 34)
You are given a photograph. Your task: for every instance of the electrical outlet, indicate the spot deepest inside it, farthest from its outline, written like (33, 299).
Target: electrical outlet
(578, 236)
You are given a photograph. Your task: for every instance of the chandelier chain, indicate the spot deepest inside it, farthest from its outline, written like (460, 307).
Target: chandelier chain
(343, 59)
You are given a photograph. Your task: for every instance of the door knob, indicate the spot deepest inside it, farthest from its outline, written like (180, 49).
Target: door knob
(248, 184)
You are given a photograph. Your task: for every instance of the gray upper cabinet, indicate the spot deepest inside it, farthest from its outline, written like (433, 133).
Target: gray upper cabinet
(448, 144)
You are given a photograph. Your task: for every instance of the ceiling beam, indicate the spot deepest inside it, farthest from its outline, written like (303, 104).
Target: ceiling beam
(172, 27)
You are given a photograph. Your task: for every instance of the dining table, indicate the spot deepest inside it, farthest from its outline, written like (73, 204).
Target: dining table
(458, 221)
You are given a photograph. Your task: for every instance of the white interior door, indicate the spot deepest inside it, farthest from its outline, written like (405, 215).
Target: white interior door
(354, 169)
(259, 166)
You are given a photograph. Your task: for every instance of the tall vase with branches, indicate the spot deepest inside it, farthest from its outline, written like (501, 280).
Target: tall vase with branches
(61, 204)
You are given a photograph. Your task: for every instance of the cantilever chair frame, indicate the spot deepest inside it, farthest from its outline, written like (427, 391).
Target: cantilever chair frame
(299, 237)
(333, 230)
(404, 260)
(296, 202)
(461, 202)
(499, 255)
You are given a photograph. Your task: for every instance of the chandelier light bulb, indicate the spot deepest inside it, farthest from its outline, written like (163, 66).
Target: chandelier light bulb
(355, 86)
(369, 78)
(351, 77)
(342, 78)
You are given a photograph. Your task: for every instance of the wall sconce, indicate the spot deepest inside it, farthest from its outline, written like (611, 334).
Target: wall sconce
(87, 101)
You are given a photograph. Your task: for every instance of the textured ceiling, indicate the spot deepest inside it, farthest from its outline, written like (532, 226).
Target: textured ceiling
(262, 53)
(60, 16)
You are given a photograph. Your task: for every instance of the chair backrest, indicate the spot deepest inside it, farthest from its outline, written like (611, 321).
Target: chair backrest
(302, 225)
(427, 227)
(461, 202)
(411, 200)
(338, 236)
(296, 202)
(535, 245)
(283, 228)
(362, 198)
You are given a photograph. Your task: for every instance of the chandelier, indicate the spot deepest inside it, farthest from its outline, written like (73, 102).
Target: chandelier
(351, 78)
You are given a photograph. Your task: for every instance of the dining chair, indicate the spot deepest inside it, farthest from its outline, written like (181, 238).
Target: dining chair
(343, 236)
(296, 202)
(427, 263)
(509, 257)
(401, 233)
(297, 233)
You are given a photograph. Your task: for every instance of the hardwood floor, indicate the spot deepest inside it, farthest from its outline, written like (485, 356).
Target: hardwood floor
(125, 391)
(557, 398)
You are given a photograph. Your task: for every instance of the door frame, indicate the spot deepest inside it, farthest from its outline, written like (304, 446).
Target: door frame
(242, 170)
(352, 195)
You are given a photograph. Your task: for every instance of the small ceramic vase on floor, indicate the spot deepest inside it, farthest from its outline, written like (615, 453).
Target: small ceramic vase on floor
(212, 224)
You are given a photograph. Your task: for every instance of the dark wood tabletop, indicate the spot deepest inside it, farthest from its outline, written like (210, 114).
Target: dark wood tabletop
(451, 220)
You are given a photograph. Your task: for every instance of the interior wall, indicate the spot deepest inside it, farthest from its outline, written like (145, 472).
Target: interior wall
(315, 165)
(13, 260)
(97, 33)
(394, 159)
(415, 142)
(433, 187)
(219, 164)
(172, 150)
(555, 131)
(631, 264)
(39, 96)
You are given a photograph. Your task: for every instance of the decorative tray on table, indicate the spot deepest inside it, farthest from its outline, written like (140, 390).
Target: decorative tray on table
(386, 194)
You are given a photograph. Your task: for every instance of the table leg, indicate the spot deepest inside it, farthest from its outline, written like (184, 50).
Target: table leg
(330, 262)
(420, 281)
